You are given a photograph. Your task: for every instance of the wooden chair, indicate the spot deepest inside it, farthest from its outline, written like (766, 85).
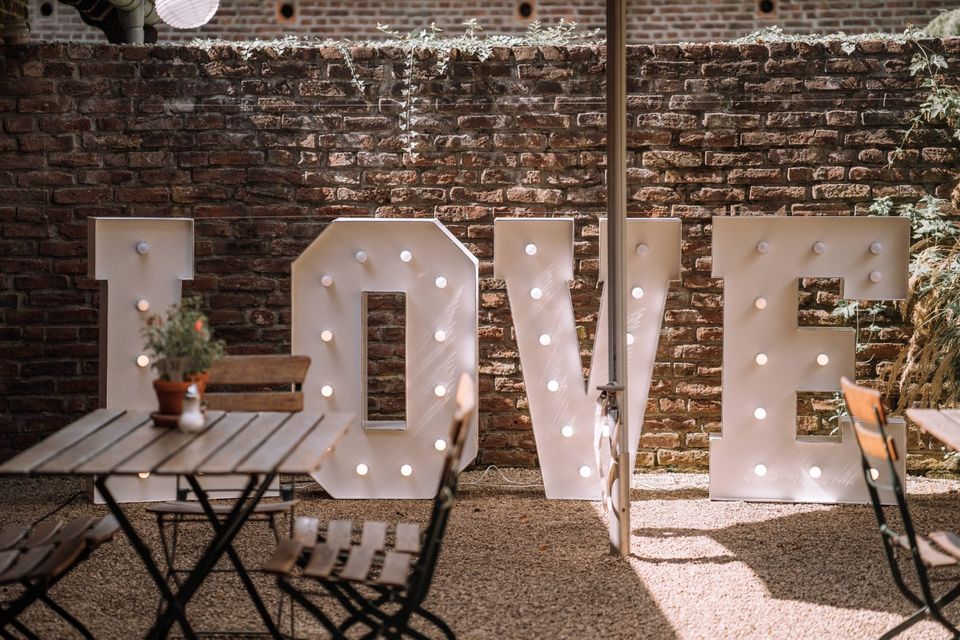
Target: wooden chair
(40, 558)
(941, 549)
(379, 574)
(255, 380)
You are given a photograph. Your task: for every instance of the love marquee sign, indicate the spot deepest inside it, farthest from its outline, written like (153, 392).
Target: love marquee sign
(767, 357)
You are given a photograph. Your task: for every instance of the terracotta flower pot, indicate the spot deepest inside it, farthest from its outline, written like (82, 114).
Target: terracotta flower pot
(170, 393)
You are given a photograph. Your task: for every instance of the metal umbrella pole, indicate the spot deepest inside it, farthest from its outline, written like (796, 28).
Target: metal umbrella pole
(616, 271)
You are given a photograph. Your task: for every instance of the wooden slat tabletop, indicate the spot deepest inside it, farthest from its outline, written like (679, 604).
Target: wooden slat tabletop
(117, 442)
(942, 425)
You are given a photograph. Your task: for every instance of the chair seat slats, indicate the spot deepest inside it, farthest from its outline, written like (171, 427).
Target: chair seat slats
(357, 566)
(396, 569)
(103, 531)
(284, 558)
(408, 537)
(74, 529)
(7, 558)
(59, 560)
(948, 541)
(42, 534)
(374, 535)
(339, 533)
(305, 530)
(321, 562)
(928, 553)
(25, 563)
(12, 535)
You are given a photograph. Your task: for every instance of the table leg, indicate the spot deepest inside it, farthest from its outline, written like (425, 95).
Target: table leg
(234, 558)
(176, 611)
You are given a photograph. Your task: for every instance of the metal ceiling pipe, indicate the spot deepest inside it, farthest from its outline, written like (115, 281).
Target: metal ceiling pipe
(134, 14)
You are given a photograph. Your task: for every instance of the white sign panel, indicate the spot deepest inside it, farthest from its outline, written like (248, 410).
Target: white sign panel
(768, 358)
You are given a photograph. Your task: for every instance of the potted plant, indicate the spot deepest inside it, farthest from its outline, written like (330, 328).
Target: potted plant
(182, 349)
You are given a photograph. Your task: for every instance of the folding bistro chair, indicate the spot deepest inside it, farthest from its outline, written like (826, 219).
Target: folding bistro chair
(39, 559)
(245, 372)
(382, 579)
(942, 549)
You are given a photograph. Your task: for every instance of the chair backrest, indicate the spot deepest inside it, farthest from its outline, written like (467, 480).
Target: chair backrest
(254, 374)
(870, 423)
(446, 492)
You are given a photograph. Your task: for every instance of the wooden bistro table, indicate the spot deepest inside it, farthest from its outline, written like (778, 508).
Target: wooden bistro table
(114, 442)
(944, 425)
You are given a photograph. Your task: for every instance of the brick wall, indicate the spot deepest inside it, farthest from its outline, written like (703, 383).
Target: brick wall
(264, 152)
(648, 20)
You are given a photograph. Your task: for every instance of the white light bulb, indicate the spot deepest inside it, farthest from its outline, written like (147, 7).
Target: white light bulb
(629, 339)
(874, 474)
(760, 470)
(536, 293)
(605, 429)
(143, 475)
(143, 305)
(815, 472)
(362, 469)
(326, 280)
(763, 246)
(326, 391)
(439, 335)
(326, 335)
(406, 470)
(760, 303)
(530, 249)
(820, 247)
(553, 386)
(875, 276)
(440, 444)
(143, 360)
(545, 340)
(585, 471)
(567, 431)
(405, 256)
(761, 359)
(823, 359)
(439, 391)
(760, 413)
(361, 256)
(637, 293)
(876, 248)
(143, 247)
(441, 282)
(642, 249)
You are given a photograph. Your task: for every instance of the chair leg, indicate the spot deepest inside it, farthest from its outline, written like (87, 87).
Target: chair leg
(314, 610)
(917, 616)
(67, 616)
(24, 630)
(437, 622)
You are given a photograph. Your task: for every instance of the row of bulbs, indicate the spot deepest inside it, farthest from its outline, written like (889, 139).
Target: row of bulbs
(406, 470)
(822, 359)
(815, 472)
(820, 247)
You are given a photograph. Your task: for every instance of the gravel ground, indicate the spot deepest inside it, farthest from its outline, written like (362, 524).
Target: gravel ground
(516, 565)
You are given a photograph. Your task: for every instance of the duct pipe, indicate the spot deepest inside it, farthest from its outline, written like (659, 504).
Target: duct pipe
(134, 14)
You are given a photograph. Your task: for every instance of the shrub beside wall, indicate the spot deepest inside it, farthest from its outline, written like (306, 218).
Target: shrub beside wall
(264, 148)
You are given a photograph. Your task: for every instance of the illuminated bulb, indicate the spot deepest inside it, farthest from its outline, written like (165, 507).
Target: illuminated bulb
(143, 247)
(441, 282)
(530, 249)
(143, 360)
(440, 444)
(605, 430)
(637, 293)
(761, 359)
(585, 471)
(553, 385)
(143, 475)
(823, 359)
(326, 335)
(815, 472)
(874, 474)
(819, 247)
(545, 340)
(327, 280)
(760, 470)
(439, 391)
(439, 335)
(536, 293)
(362, 469)
(326, 391)
(760, 303)
(405, 256)
(567, 431)
(406, 470)
(760, 413)
(642, 249)
(875, 276)
(876, 248)
(763, 246)
(361, 256)
(143, 305)
(629, 339)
